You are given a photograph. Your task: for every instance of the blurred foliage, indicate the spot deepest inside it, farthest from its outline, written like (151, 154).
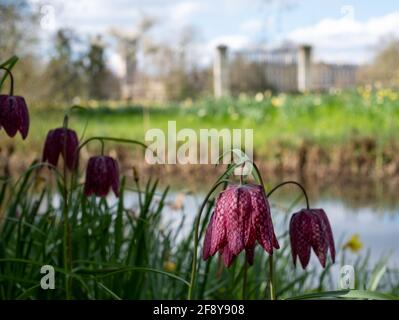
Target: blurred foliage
(384, 70)
(67, 72)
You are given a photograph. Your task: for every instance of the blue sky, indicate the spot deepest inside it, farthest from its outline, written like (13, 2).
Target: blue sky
(341, 31)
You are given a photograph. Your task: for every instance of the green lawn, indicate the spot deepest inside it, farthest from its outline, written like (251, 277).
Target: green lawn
(326, 119)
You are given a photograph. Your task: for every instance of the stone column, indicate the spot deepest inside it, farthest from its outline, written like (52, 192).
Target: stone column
(304, 66)
(221, 72)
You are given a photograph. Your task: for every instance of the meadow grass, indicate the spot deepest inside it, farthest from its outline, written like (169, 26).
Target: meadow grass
(328, 119)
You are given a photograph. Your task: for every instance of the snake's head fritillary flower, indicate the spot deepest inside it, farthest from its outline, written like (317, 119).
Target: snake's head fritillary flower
(61, 141)
(102, 174)
(241, 219)
(310, 229)
(14, 115)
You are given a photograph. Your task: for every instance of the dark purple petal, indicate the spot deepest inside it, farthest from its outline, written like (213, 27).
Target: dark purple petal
(208, 239)
(293, 238)
(328, 232)
(219, 228)
(90, 183)
(300, 236)
(14, 115)
(249, 254)
(24, 117)
(235, 234)
(245, 211)
(51, 151)
(101, 174)
(227, 255)
(318, 239)
(72, 144)
(114, 175)
(9, 115)
(311, 229)
(61, 141)
(261, 219)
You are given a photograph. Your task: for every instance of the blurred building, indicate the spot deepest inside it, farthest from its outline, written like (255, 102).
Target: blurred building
(290, 68)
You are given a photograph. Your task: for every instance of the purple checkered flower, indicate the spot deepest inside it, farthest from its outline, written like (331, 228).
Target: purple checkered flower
(240, 220)
(14, 115)
(102, 174)
(310, 228)
(61, 141)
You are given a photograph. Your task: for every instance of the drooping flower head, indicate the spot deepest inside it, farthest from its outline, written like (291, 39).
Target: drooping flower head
(61, 141)
(241, 218)
(102, 174)
(14, 114)
(310, 229)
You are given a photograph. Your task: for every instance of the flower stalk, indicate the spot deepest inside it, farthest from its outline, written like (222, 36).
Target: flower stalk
(196, 240)
(67, 235)
(271, 279)
(290, 182)
(8, 71)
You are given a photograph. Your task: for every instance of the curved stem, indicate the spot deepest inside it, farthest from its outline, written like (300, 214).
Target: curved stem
(258, 174)
(102, 139)
(291, 182)
(242, 174)
(121, 140)
(11, 80)
(242, 163)
(196, 240)
(65, 123)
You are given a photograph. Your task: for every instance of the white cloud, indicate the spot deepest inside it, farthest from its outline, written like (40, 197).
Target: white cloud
(346, 39)
(234, 41)
(182, 12)
(256, 26)
(95, 16)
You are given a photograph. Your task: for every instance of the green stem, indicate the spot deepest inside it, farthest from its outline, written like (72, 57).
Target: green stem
(196, 240)
(102, 139)
(121, 140)
(67, 235)
(291, 182)
(66, 242)
(8, 71)
(271, 279)
(102, 147)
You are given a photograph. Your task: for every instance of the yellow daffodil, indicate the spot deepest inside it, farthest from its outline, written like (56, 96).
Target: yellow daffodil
(169, 266)
(354, 243)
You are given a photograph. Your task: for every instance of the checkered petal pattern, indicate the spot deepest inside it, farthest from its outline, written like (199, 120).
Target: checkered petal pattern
(240, 220)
